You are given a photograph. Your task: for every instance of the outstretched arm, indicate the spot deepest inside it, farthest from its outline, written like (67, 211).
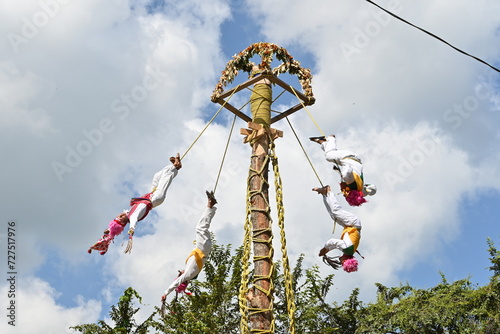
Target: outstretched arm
(336, 212)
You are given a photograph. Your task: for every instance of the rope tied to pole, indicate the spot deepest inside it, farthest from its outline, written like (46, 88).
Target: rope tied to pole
(245, 310)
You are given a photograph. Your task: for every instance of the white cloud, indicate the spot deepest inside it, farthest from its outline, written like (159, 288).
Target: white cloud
(36, 309)
(18, 89)
(109, 92)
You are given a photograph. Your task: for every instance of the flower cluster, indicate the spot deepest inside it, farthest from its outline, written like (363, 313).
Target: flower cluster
(350, 265)
(241, 61)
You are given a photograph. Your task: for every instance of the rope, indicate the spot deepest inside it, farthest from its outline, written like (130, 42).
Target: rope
(245, 271)
(307, 110)
(277, 97)
(245, 310)
(290, 298)
(225, 152)
(303, 150)
(305, 153)
(308, 159)
(208, 124)
(432, 35)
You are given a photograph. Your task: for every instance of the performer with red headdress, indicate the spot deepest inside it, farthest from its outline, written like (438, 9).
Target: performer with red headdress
(139, 207)
(200, 253)
(350, 168)
(349, 240)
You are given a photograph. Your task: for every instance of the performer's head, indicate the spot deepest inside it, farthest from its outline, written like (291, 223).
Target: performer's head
(349, 263)
(123, 218)
(181, 288)
(353, 197)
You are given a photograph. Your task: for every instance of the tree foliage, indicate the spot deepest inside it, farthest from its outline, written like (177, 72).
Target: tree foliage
(123, 317)
(213, 305)
(457, 307)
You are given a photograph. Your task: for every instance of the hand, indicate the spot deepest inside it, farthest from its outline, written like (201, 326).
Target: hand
(177, 161)
(163, 298)
(131, 231)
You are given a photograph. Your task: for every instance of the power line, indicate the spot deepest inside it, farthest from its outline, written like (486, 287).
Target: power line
(431, 34)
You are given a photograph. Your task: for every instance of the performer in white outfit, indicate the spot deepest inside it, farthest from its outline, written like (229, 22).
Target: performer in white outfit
(199, 255)
(140, 206)
(350, 168)
(349, 240)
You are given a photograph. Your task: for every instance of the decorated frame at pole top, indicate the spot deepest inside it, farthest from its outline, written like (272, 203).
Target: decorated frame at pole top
(241, 61)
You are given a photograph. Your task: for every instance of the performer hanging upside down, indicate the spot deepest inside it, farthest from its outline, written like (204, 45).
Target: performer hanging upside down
(140, 206)
(350, 168)
(199, 255)
(349, 240)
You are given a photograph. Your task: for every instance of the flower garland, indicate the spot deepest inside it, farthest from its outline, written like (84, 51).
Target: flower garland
(241, 61)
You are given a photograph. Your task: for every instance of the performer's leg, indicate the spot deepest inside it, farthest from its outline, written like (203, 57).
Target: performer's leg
(337, 213)
(136, 213)
(330, 144)
(160, 184)
(335, 244)
(203, 241)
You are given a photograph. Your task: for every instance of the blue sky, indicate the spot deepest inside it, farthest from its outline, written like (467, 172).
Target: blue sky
(126, 84)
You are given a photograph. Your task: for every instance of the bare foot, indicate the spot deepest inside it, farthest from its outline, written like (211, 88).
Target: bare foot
(323, 251)
(318, 140)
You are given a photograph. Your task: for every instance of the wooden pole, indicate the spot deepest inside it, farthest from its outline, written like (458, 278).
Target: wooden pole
(262, 233)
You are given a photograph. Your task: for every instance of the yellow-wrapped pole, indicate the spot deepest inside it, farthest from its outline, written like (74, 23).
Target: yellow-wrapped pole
(261, 318)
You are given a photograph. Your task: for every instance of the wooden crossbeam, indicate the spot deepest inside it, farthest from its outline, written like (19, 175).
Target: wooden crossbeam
(242, 86)
(274, 79)
(307, 101)
(286, 113)
(232, 109)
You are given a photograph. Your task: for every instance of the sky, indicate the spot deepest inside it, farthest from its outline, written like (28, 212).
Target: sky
(96, 96)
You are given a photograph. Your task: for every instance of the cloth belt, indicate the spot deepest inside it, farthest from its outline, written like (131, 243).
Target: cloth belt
(198, 256)
(355, 238)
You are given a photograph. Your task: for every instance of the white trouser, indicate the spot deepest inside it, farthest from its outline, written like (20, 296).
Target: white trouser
(340, 244)
(204, 243)
(159, 185)
(137, 215)
(342, 158)
(338, 214)
(161, 182)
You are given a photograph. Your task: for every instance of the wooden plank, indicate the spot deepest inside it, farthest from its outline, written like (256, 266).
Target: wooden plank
(245, 132)
(276, 133)
(235, 111)
(290, 89)
(306, 100)
(244, 85)
(286, 113)
(254, 126)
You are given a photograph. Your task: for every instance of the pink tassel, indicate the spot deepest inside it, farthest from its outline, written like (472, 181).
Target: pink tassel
(350, 265)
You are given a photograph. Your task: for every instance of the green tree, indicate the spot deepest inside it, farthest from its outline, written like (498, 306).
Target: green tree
(458, 307)
(314, 314)
(213, 306)
(123, 317)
